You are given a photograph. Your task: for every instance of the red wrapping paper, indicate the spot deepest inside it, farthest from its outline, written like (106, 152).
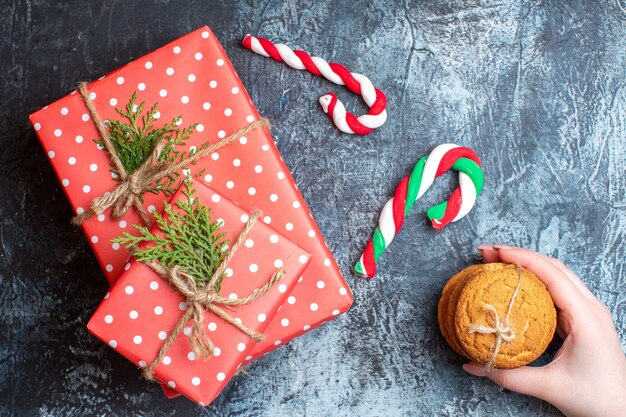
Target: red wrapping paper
(193, 77)
(141, 308)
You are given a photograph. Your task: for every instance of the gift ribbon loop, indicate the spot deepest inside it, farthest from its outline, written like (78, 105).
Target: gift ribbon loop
(501, 329)
(204, 296)
(131, 187)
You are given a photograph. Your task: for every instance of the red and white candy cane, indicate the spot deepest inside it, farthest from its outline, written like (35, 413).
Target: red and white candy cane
(443, 158)
(338, 74)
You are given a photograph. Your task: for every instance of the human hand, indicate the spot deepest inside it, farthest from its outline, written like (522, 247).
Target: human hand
(587, 376)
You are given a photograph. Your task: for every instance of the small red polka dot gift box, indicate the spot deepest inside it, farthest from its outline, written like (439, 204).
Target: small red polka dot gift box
(143, 308)
(192, 77)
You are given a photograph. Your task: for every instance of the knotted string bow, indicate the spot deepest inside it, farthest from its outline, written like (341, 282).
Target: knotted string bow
(204, 296)
(132, 186)
(502, 329)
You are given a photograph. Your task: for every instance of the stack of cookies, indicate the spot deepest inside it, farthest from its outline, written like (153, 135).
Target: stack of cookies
(498, 315)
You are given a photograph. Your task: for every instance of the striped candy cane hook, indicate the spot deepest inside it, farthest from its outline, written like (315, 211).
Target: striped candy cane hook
(441, 159)
(336, 73)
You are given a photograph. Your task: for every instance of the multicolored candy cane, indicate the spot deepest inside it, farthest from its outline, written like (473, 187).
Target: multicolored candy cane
(441, 159)
(336, 73)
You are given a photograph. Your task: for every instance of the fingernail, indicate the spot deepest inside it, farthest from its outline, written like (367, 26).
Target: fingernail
(474, 369)
(498, 247)
(484, 247)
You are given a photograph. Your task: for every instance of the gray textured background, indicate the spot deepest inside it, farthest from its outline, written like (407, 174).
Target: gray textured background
(537, 88)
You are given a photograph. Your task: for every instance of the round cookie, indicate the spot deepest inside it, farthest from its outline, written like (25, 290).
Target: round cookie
(447, 306)
(532, 317)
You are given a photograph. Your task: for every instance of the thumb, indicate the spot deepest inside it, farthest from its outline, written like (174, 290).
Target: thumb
(527, 380)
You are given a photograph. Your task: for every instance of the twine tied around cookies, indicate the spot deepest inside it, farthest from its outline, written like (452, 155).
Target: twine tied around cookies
(201, 297)
(132, 186)
(501, 329)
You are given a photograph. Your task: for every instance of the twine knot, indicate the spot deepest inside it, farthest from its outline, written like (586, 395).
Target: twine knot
(208, 297)
(132, 186)
(201, 296)
(128, 193)
(135, 185)
(501, 329)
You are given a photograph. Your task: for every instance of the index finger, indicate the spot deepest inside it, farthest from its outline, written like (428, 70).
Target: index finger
(566, 296)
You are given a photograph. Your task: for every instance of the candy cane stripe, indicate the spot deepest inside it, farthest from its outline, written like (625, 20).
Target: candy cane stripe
(346, 76)
(335, 108)
(336, 73)
(453, 206)
(430, 168)
(308, 62)
(469, 172)
(399, 202)
(451, 157)
(386, 223)
(254, 44)
(326, 71)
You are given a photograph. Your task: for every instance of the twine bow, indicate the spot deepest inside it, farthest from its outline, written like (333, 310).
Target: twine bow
(503, 331)
(204, 296)
(131, 187)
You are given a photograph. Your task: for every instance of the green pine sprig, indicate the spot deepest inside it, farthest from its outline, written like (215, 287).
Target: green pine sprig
(135, 138)
(190, 239)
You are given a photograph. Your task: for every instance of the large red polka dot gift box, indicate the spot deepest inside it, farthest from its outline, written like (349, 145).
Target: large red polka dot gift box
(145, 305)
(192, 78)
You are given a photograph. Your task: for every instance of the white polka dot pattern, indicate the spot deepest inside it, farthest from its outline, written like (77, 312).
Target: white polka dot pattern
(142, 305)
(211, 91)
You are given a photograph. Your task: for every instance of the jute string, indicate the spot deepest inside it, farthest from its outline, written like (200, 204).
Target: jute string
(131, 187)
(503, 331)
(204, 296)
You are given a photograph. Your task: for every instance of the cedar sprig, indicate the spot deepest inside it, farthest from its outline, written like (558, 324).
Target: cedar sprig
(189, 239)
(135, 138)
